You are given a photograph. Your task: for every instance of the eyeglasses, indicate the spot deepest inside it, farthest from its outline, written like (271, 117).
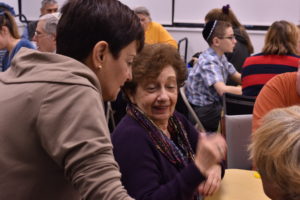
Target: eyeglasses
(39, 34)
(229, 38)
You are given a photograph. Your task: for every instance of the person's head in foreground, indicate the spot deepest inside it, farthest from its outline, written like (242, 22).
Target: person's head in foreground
(157, 75)
(275, 151)
(106, 37)
(220, 36)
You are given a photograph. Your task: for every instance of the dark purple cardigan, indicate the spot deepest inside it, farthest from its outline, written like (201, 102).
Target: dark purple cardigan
(146, 173)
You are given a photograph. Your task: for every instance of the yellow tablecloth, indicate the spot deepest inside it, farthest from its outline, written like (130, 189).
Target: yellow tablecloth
(240, 184)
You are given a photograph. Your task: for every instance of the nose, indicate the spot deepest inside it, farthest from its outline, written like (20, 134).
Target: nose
(129, 75)
(34, 38)
(162, 96)
(234, 40)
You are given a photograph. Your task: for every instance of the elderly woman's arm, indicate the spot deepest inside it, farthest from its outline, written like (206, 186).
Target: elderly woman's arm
(213, 181)
(146, 174)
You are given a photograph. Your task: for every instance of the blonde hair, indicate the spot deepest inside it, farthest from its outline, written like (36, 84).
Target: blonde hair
(6, 19)
(281, 38)
(275, 150)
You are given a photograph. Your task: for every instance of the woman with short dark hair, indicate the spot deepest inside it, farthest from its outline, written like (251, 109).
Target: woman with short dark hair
(57, 143)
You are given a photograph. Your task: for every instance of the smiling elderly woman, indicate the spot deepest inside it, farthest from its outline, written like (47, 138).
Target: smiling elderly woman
(160, 154)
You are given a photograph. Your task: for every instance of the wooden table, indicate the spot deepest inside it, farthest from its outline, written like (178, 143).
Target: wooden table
(239, 184)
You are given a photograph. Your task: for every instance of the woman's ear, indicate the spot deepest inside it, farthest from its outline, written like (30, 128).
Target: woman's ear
(99, 52)
(4, 30)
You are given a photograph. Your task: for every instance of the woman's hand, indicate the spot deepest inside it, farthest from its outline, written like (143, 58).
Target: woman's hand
(212, 183)
(210, 151)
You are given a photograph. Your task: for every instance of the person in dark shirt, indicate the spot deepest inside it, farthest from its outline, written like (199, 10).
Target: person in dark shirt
(161, 155)
(280, 54)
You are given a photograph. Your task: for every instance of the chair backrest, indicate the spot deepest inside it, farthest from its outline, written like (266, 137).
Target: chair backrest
(109, 114)
(186, 41)
(238, 135)
(199, 125)
(237, 104)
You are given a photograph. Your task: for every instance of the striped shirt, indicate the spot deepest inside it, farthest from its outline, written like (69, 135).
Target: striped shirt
(209, 70)
(259, 69)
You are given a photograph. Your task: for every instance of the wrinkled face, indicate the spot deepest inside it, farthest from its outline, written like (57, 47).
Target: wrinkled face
(228, 41)
(115, 72)
(157, 98)
(49, 8)
(45, 42)
(145, 20)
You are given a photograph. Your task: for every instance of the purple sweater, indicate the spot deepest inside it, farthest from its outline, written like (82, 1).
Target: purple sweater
(146, 173)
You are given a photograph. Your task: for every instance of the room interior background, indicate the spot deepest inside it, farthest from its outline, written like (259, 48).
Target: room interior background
(185, 18)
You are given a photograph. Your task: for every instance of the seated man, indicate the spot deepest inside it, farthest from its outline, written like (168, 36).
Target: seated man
(45, 34)
(47, 7)
(275, 151)
(206, 80)
(154, 32)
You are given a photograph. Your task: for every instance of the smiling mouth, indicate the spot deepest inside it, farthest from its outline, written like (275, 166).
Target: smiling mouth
(160, 109)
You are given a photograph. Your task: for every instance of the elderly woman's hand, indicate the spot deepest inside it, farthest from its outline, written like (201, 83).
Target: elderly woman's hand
(213, 181)
(210, 151)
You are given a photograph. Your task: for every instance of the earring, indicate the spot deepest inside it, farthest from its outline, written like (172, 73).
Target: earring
(99, 67)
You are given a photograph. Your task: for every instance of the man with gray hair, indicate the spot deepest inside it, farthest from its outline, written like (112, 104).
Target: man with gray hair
(45, 34)
(47, 7)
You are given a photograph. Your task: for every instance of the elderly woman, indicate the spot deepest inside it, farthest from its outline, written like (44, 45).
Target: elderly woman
(154, 32)
(57, 143)
(280, 54)
(160, 154)
(275, 151)
(10, 38)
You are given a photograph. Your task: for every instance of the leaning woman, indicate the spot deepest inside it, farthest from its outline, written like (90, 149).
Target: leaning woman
(57, 143)
(161, 155)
